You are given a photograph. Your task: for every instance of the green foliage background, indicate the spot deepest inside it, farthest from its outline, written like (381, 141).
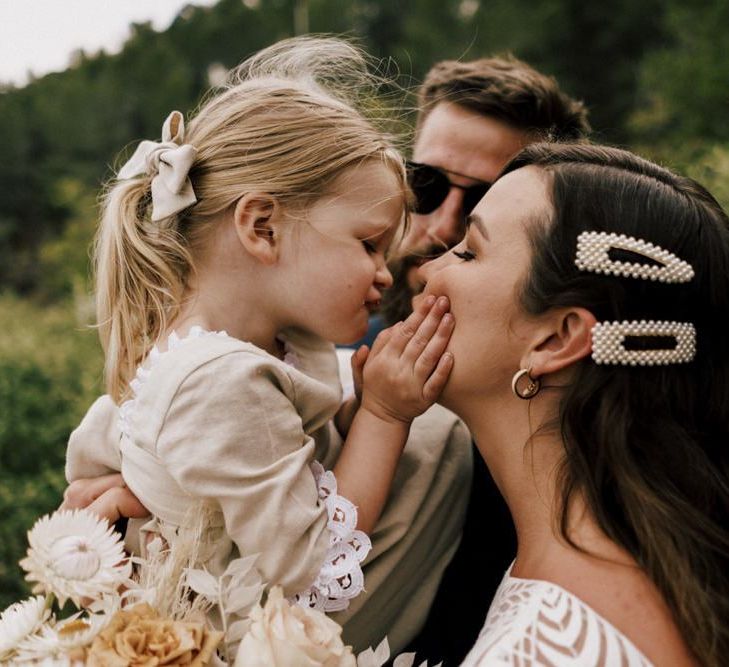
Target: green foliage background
(654, 75)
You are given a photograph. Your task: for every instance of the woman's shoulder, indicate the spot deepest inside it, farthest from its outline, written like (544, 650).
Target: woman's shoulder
(540, 622)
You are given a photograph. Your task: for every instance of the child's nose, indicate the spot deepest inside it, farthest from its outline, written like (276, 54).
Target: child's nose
(383, 277)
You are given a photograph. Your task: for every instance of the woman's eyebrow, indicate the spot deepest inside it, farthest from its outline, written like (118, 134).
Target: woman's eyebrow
(473, 219)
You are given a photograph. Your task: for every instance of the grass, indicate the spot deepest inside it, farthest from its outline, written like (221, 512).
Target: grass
(50, 372)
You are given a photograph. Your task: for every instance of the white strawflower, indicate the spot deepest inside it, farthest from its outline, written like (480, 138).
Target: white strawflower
(74, 554)
(64, 640)
(19, 621)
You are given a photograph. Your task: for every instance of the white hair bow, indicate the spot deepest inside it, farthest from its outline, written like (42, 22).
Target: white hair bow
(169, 163)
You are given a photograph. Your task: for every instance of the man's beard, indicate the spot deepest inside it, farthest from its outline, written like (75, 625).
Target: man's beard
(397, 300)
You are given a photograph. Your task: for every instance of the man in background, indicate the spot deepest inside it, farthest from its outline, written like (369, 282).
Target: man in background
(472, 118)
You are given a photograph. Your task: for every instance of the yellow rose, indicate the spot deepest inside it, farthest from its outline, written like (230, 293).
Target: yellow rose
(139, 637)
(285, 635)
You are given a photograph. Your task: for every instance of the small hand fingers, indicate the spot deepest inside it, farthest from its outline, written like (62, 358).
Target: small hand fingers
(105, 507)
(82, 492)
(431, 355)
(117, 503)
(427, 329)
(359, 358)
(358, 361)
(404, 331)
(382, 339)
(435, 383)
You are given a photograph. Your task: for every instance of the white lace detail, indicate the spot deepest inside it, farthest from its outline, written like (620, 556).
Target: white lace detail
(174, 342)
(340, 578)
(539, 623)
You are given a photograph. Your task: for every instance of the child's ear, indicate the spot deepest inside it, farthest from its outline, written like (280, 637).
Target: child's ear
(256, 221)
(565, 339)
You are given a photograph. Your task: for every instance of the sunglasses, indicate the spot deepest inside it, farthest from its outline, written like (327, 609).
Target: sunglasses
(431, 186)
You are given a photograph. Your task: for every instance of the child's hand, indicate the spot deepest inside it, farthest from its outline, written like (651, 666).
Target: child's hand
(108, 497)
(357, 362)
(408, 366)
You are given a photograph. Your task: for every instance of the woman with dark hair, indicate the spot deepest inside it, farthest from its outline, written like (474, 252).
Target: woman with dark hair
(591, 296)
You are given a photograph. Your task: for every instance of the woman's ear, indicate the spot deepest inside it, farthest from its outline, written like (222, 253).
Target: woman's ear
(255, 220)
(566, 339)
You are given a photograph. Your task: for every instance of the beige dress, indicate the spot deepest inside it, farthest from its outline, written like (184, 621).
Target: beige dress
(219, 421)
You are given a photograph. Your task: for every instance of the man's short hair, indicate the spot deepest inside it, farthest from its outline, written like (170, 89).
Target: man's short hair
(507, 89)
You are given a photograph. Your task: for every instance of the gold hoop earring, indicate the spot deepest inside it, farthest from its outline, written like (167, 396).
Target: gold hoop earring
(530, 390)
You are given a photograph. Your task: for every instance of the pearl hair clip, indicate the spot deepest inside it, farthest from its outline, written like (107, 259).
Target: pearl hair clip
(592, 255)
(608, 343)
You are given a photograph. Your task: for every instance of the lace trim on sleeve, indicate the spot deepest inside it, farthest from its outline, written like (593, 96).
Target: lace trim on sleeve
(340, 578)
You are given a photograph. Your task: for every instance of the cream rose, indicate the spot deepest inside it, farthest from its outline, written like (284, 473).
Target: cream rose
(285, 635)
(140, 637)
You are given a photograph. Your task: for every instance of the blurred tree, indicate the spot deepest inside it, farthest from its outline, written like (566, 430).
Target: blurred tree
(73, 124)
(684, 85)
(64, 260)
(27, 213)
(595, 49)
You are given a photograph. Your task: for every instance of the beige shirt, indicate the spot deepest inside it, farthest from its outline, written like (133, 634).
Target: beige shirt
(222, 421)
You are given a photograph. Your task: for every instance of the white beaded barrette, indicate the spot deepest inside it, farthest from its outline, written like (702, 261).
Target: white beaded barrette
(608, 343)
(592, 255)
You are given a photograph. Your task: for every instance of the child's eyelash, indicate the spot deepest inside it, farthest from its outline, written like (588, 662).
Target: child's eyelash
(465, 255)
(369, 246)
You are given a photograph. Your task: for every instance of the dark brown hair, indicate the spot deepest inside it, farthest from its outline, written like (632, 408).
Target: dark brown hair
(647, 446)
(507, 89)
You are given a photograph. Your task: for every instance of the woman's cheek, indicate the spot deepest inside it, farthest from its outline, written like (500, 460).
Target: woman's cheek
(417, 299)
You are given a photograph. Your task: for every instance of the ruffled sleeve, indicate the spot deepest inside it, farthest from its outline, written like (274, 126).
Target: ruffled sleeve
(340, 578)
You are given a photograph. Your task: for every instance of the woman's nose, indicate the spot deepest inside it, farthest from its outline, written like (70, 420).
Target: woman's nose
(426, 270)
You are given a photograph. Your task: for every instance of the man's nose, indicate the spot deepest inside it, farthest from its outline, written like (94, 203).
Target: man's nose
(446, 224)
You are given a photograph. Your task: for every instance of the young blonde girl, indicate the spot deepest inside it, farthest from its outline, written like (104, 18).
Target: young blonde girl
(230, 257)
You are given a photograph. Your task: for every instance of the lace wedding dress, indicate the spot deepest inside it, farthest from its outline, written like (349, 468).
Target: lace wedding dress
(534, 623)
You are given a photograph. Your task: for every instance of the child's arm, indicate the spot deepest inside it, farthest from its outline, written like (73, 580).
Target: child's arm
(93, 447)
(403, 376)
(92, 459)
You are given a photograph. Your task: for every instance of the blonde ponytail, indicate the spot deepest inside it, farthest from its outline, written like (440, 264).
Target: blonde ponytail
(141, 269)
